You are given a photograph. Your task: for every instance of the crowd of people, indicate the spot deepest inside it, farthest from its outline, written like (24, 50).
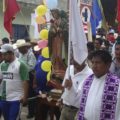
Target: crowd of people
(91, 90)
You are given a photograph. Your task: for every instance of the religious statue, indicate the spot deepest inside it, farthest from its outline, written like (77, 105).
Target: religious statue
(58, 36)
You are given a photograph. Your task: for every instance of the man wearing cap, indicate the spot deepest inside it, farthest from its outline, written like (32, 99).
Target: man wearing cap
(28, 57)
(115, 66)
(14, 75)
(110, 36)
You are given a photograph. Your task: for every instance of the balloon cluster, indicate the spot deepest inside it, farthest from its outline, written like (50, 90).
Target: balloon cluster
(45, 63)
(41, 10)
(42, 44)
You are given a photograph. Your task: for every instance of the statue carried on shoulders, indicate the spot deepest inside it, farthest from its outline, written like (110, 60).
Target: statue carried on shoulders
(58, 37)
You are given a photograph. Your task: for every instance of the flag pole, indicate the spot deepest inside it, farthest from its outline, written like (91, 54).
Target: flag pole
(89, 32)
(69, 43)
(3, 5)
(68, 5)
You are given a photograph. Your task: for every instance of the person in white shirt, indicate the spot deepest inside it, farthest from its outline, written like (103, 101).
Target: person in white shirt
(28, 57)
(78, 73)
(100, 93)
(14, 84)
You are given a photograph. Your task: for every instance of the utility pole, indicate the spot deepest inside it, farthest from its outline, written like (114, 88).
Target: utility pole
(68, 5)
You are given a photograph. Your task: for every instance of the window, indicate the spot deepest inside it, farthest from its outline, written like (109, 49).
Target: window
(20, 31)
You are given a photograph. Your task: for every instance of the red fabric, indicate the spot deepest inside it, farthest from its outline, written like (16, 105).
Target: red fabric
(118, 14)
(111, 38)
(11, 8)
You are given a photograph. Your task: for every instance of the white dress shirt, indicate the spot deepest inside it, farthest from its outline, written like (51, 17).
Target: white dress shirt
(69, 96)
(94, 99)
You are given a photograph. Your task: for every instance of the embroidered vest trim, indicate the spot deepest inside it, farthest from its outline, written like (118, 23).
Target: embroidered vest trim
(109, 97)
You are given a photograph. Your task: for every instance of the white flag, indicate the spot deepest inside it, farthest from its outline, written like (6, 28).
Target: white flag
(76, 33)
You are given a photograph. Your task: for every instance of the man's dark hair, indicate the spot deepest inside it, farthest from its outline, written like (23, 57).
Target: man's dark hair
(107, 43)
(90, 46)
(101, 31)
(100, 40)
(103, 55)
(5, 40)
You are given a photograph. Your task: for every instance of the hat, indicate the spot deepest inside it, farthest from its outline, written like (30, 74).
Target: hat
(6, 48)
(111, 31)
(14, 46)
(22, 43)
(36, 48)
(33, 42)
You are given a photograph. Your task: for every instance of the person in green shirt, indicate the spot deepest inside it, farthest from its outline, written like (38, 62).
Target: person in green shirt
(14, 91)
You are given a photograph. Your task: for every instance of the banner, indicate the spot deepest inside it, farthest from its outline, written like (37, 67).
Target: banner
(10, 10)
(76, 33)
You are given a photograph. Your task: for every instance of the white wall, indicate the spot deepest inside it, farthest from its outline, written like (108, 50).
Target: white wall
(25, 17)
(3, 33)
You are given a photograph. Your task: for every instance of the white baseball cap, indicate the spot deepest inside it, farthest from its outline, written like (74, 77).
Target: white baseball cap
(6, 48)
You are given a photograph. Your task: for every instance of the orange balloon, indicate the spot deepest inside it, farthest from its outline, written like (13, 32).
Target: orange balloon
(40, 20)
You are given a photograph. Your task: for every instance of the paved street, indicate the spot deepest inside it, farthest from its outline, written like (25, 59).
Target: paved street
(23, 114)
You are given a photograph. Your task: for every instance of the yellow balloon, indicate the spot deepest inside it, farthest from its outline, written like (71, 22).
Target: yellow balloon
(44, 34)
(48, 76)
(46, 65)
(45, 52)
(41, 10)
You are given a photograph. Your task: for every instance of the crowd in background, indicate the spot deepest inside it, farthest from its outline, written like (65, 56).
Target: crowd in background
(20, 64)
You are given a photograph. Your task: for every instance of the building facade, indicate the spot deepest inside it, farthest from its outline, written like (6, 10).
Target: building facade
(22, 23)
